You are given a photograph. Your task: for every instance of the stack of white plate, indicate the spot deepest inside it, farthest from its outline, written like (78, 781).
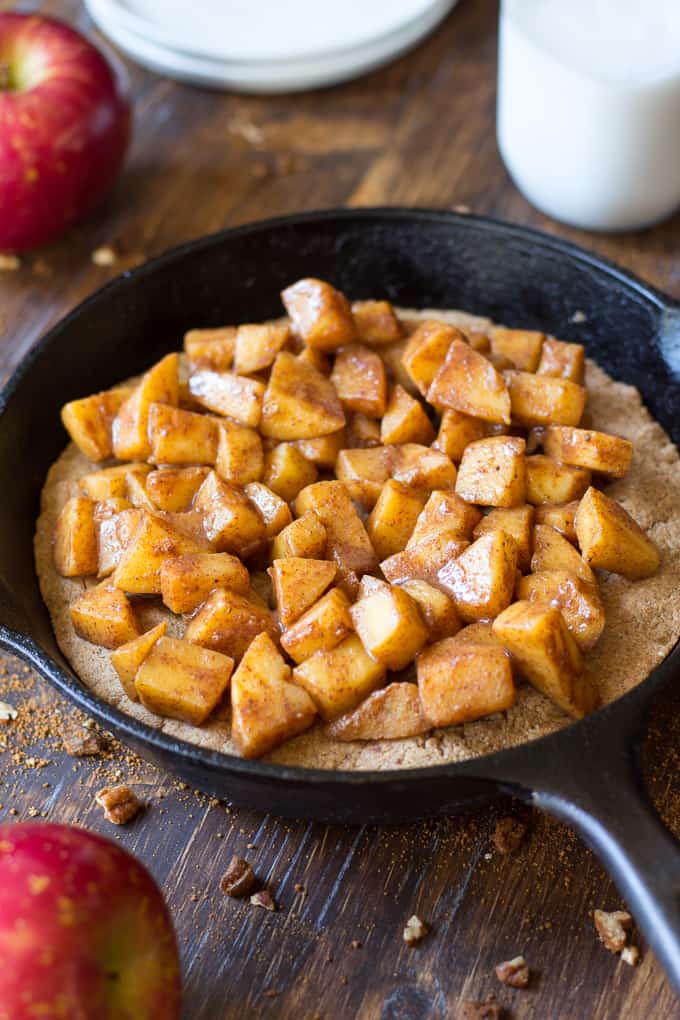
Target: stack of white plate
(266, 45)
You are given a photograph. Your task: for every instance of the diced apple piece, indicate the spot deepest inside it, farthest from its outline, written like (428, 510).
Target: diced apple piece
(376, 322)
(552, 551)
(445, 512)
(559, 516)
(186, 581)
(578, 601)
(183, 681)
(173, 489)
(480, 633)
(365, 472)
(89, 421)
(424, 559)
(299, 583)
(392, 355)
(257, 346)
(550, 482)
(394, 713)
(426, 350)
(520, 346)
(347, 540)
(456, 431)
(228, 621)
(460, 682)
(106, 508)
(390, 626)
(75, 538)
(422, 467)
(492, 472)
(286, 471)
(362, 432)
(211, 348)
(323, 451)
(114, 534)
(136, 491)
(468, 382)
(316, 358)
(538, 640)
(130, 431)
(273, 510)
(103, 616)
(320, 314)
(181, 437)
(562, 360)
(518, 522)
(321, 628)
(139, 569)
(190, 524)
(299, 402)
(240, 458)
(305, 537)
(393, 517)
(597, 451)
(436, 609)
(543, 400)
(109, 483)
(405, 420)
(481, 581)
(612, 540)
(266, 708)
(234, 396)
(359, 379)
(229, 518)
(478, 340)
(127, 658)
(337, 679)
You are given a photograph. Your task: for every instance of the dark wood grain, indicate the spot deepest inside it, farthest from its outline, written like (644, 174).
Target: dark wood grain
(420, 132)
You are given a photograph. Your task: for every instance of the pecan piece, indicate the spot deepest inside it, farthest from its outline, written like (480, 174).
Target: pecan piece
(513, 972)
(508, 835)
(613, 928)
(414, 931)
(80, 742)
(238, 879)
(630, 955)
(120, 803)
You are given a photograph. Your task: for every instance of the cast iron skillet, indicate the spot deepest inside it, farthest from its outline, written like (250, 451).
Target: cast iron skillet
(587, 774)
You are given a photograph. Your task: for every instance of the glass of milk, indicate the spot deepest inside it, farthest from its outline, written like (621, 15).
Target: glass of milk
(589, 108)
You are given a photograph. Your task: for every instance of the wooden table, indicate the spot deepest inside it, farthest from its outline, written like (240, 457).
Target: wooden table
(420, 132)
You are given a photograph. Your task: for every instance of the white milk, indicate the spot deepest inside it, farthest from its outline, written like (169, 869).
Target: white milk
(589, 108)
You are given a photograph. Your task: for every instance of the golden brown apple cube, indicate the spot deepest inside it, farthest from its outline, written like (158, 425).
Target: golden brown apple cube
(424, 559)
(562, 360)
(436, 609)
(287, 471)
(103, 616)
(347, 541)
(228, 621)
(596, 451)
(182, 681)
(543, 400)
(106, 508)
(578, 601)
(359, 379)
(89, 421)
(317, 359)
(390, 626)
(361, 432)
(376, 322)
(173, 489)
(320, 314)
(612, 540)
(550, 482)
(522, 347)
(135, 484)
(393, 518)
(229, 518)
(538, 640)
(75, 538)
(492, 472)
(299, 582)
(130, 430)
(337, 679)
(127, 658)
(468, 382)
(240, 458)
(425, 351)
(392, 355)
(394, 713)
(114, 533)
(552, 551)
(421, 467)
(299, 402)
(234, 396)
(186, 581)
(257, 346)
(365, 472)
(445, 512)
(559, 516)
(273, 510)
(480, 633)
(181, 437)
(211, 348)
(190, 524)
(481, 581)
(304, 537)
(323, 451)
(405, 420)
(321, 628)
(139, 568)
(460, 682)
(266, 708)
(109, 483)
(456, 431)
(518, 522)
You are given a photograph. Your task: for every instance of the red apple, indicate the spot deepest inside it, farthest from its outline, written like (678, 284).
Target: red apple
(84, 931)
(64, 128)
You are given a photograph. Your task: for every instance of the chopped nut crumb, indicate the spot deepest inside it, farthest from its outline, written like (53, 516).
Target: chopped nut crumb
(120, 803)
(104, 256)
(238, 879)
(578, 317)
(9, 263)
(613, 928)
(630, 955)
(7, 712)
(488, 1010)
(356, 944)
(80, 742)
(299, 888)
(263, 899)
(513, 972)
(508, 835)
(414, 931)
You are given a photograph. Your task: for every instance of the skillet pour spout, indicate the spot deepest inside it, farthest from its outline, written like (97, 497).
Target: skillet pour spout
(586, 774)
